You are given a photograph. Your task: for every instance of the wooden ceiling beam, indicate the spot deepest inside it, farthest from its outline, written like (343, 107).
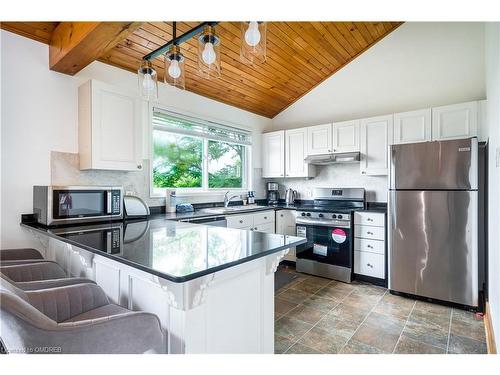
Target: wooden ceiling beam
(74, 45)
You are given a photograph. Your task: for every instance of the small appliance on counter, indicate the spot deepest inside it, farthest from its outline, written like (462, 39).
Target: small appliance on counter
(170, 200)
(273, 195)
(290, 196)
(135, 207)
(54, 205)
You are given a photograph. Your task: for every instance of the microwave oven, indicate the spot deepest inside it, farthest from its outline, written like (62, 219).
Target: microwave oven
(53, 205)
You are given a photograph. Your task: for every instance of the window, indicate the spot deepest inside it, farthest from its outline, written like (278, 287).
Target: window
(194, 154)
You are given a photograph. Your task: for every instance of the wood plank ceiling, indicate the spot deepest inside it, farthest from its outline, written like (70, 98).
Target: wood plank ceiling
(300, 55)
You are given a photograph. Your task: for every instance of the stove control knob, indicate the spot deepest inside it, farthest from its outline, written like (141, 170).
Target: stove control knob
(308, 214)
(320, 215)
(339, 217)
(334, 216)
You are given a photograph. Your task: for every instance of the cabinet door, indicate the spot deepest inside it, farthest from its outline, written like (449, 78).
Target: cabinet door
(116, 128)
(414, 126)
(266, 228)
(346, 136)
(454, 121)
(273, 157)
(295, 152)
(285, 222)
(375, 135)
(319, 139)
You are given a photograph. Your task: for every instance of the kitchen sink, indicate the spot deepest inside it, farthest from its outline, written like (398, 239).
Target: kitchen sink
(235, 209)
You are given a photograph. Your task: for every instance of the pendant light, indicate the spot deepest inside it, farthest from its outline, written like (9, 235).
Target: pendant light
(148, 81)
(209, 54)
(174, 65)
(253, 42)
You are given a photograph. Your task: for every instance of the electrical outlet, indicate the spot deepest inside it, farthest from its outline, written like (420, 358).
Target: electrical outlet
(498, 157)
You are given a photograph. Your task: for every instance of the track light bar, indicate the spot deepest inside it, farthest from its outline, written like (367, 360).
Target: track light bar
(178, 39)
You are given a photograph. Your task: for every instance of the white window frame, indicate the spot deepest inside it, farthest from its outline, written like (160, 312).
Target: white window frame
(204, 190)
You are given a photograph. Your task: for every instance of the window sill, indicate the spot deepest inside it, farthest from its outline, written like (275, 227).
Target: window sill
(207, 193)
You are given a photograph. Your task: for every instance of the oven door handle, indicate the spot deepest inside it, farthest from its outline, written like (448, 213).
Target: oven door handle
(323, 224)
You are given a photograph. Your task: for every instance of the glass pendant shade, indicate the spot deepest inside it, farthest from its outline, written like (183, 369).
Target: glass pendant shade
(148, 81)
(174, 68)
(209, 54)
(253, 42)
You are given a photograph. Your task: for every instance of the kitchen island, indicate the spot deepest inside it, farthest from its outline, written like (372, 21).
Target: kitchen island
(211, 287)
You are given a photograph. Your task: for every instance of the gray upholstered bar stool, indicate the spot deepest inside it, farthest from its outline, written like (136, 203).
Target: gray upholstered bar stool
(41, 275)
(74, 319)
(20, 256)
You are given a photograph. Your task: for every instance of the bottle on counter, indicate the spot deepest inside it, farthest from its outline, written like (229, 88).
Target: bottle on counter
(251, 197)
(170, 200)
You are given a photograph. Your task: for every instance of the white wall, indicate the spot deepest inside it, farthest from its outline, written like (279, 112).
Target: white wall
(418, 65)
(493, 127)
(39, 115)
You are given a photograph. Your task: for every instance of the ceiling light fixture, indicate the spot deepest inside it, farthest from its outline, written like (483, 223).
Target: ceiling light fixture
(208, 53)
(253, 42)
(174, 64)
(148, 81)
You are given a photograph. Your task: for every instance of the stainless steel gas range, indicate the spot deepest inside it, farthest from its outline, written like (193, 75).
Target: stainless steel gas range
(328, 227)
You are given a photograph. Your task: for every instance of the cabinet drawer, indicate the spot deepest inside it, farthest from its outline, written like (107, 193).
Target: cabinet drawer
(263, 217)
(369, 264)
(372, 246)
(369, 218)
(266, 228)
(369, 232)
(239, 221)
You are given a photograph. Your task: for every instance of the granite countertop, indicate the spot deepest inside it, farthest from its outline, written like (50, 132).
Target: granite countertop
(173, 250)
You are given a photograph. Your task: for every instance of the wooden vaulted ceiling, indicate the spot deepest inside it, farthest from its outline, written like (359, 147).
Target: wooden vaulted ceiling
(300, 55)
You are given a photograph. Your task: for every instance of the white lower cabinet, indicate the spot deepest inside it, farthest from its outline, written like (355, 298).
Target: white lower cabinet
(285, 224)
(262, 221)
(369, 244)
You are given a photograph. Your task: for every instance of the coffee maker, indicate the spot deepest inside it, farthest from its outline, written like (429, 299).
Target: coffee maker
(273, 196)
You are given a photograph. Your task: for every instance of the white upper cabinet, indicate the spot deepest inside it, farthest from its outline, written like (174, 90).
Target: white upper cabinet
(413, 126)
(273, 154)
(346, 136)
(376, 133)
(454, 121)
(319, 139)
(295, 152)
(109, 128)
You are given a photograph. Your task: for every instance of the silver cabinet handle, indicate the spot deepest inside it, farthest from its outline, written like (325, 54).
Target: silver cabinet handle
(139, 166)
(369, 233)
(369, 219)
(363, 172)
(281, 215)
(265, 217)
(369, 265)
(255, 228)
(369, 246)
(241, 221)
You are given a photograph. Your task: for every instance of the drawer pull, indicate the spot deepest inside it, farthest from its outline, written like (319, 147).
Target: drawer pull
(241, 221)
(369, 233)
(369, 246)
(369, 265)
(281, 215)
(255, 228)
(369, 219)
(265, 217)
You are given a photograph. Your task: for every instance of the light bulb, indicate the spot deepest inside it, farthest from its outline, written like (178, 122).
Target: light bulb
(148, 84)
(174, 70)
(252, 35)
(208, 54)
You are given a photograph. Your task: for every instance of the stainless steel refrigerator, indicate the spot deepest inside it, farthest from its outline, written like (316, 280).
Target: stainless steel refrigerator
(433, 220)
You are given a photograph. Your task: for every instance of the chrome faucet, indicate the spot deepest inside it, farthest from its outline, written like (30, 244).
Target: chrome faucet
(227, 200)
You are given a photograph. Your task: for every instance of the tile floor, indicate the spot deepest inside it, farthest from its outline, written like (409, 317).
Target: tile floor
(316, 315)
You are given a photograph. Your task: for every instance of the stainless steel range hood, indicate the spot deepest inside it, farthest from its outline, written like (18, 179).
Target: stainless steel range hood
(324, 159)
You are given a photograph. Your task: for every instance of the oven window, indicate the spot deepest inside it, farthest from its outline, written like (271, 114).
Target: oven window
(69, 204)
